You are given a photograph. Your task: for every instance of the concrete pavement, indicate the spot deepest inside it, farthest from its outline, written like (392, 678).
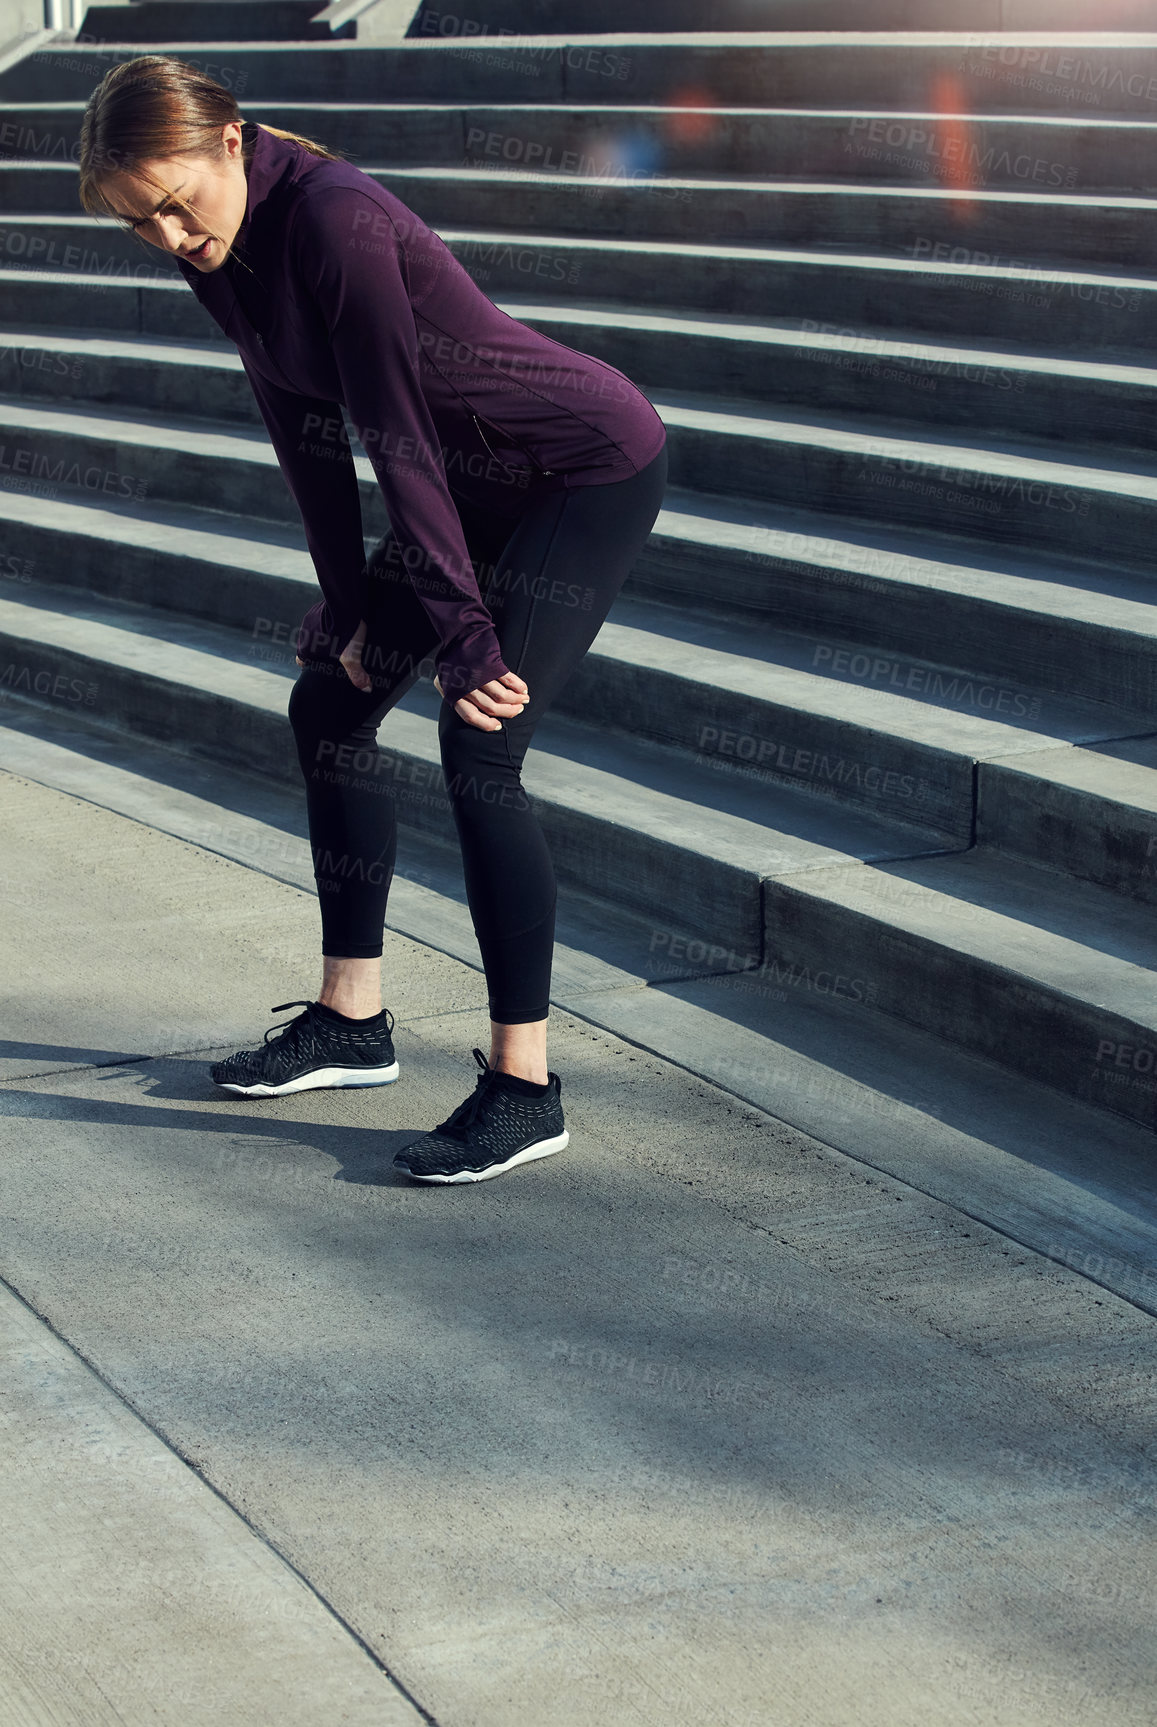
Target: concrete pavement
(703, 1421)
(130, 1592)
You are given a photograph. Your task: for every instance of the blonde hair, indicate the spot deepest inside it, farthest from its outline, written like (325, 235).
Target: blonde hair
(150, 109)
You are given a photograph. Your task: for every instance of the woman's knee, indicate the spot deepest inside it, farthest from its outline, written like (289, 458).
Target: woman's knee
(464, 747)
(480, 771)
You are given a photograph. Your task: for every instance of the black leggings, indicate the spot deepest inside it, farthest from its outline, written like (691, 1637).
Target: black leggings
(548, 575)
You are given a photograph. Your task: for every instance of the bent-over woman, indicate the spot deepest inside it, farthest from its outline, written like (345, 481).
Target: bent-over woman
(521, 479)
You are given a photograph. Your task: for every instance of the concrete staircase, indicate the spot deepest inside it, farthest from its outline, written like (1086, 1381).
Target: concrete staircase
(875, 722)
(158, 21)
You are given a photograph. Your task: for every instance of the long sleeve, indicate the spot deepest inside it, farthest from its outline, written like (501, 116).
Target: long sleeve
(319, 470)
(362, 296)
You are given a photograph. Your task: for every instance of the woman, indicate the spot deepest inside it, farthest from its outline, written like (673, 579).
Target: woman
(521, 479)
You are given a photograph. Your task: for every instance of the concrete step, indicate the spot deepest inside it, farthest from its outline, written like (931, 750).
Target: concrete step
(495, 18)
(956, 150)
(152, 21)
(998, 391)
(788, 709)
(1005, 492)
(628, 821)
(1017, 963)
(906, 381)
(1017, 495)
(1052, 978)
(955, 290)
(1038, 621)
(85, 274)
(1067, 227)
(950, 748)
(1089, 813)
(894, 737)
(904, 601)
(965, 72)
(768, 711)
(1043, 624)
(87, 456)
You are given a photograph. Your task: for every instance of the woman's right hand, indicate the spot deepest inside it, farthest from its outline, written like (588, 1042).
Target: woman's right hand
(351, 659)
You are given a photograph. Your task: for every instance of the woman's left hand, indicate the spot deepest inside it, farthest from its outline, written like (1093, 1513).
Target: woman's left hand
(486, 707)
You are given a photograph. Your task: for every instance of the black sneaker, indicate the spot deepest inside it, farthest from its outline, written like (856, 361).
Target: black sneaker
(313, 1050)
(488, 1134)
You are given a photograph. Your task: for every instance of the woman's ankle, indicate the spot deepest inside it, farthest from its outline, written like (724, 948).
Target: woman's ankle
(520, 1050)
(351, 987)
(348, 1009)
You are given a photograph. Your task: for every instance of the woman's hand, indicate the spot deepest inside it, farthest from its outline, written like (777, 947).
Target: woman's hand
(351, 659)
(501, 699)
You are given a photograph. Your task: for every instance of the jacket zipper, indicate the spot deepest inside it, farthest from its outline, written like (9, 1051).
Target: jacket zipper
(510, 436)
(517, 442)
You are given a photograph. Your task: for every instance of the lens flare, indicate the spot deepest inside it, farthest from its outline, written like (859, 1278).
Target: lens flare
(692, 120)
(955, 144)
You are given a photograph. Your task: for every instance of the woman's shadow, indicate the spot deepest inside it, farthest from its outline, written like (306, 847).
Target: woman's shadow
(365, 1153)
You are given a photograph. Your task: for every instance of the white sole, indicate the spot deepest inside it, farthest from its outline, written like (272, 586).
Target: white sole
(330, 1077)
(544, 1148)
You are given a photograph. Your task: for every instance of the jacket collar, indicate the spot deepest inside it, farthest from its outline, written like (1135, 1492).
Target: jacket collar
(274, 162)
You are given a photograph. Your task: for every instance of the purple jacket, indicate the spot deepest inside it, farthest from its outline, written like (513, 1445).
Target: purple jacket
(354, 300)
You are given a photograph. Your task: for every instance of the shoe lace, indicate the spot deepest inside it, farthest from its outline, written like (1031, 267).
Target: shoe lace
(468, 1112)
(297, 1033)
(301, 1032)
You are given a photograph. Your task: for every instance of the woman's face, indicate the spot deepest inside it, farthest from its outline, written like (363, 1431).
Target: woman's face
(204, 209)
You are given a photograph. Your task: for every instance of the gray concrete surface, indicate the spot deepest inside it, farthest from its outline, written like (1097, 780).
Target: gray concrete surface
(703, 1421)
(130, 1592)
(1062, 1178)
